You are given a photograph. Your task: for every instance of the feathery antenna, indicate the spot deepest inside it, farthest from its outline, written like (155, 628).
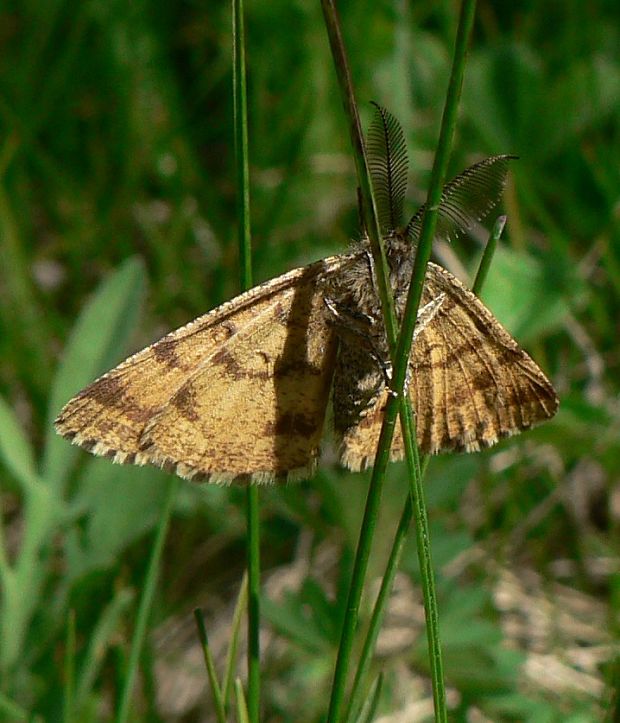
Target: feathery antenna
(388, 164)
(466, 199)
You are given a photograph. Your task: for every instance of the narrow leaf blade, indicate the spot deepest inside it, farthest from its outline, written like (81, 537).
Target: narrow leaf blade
(15, 449)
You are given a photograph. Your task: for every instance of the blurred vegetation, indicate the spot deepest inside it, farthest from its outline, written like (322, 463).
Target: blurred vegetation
(117, 223)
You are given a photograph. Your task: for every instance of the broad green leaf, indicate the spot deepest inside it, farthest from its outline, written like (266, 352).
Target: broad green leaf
(447, 479)
(476, 670)
(464, 633)
(98, 339)
(22, 584)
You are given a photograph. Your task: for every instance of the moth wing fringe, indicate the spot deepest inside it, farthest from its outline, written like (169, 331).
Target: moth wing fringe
(356, 463)
(189, 472)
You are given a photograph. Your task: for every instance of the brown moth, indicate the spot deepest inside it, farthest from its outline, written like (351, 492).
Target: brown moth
(241, 393)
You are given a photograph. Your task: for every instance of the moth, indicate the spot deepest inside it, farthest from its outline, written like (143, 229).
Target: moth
(241, 394)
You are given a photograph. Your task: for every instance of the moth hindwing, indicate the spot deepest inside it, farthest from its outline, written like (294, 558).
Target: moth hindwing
(241, 393)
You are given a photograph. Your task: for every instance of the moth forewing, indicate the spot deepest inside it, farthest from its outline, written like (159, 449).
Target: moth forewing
(240, 392)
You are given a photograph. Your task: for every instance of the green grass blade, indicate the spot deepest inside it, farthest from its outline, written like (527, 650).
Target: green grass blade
(99, 644)
(401, 363)
(15, 449)
(146, 603)
(241, 145)
(423, 546)
(369, 206)
(438, 175)
(23, 580)
(253, 557)
(216, 691)
(370, 221)
(407, 421)
(612, 712)
(405, 521)
(242, 706)
(245, 257)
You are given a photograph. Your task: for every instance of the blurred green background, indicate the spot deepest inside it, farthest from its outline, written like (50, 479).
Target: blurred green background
(117, 223)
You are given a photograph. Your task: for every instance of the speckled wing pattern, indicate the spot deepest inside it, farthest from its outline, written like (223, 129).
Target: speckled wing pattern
(470, 382)
(239, 394)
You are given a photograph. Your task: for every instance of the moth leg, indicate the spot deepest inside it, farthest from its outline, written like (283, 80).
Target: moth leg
(427, 313)
(357, 324)
(371, 271)
(425, 316)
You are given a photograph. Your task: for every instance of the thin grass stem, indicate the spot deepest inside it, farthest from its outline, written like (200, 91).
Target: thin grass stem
(218, 701)
(369, 709)
(400, 369)
(240, 112)
(146, 603)
(253, 555)
(245, 258)
(231, 656)
(99, 640)
(370, 221)
(368, 205)
(487, 254)
(405, 520)
(438, 175)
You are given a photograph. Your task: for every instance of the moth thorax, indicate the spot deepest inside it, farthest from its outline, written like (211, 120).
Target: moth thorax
(398, 249)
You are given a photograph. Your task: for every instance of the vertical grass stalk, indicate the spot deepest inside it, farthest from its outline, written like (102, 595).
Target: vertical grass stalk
(369, 217)
(400, 537)
(438, 175)
(401, 360)
(369, 710)
(245, 259)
